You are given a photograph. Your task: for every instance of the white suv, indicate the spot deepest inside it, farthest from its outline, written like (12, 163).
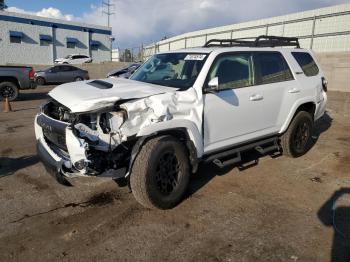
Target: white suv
(181, 108)
(74, 59)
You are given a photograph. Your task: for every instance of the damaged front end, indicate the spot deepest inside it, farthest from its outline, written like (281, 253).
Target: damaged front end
(87, 144)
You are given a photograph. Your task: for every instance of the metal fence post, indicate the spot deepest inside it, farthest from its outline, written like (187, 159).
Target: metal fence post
(313, 33)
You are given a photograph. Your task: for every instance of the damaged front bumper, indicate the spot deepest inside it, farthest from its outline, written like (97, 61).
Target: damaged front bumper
(63, 154)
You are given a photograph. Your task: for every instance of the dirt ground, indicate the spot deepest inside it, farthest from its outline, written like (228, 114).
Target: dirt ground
(277, 210)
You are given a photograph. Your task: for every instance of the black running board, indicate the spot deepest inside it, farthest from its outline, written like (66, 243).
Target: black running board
(233, 156)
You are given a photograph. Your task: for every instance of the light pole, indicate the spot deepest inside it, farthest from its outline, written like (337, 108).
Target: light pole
(111, 38)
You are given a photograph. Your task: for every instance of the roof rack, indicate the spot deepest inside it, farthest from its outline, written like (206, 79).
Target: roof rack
(260, 41)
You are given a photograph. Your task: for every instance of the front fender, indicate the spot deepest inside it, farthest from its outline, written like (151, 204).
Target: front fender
(189, 126)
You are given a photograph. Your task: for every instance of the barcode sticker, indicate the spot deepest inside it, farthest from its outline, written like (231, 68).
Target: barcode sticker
(198, 57)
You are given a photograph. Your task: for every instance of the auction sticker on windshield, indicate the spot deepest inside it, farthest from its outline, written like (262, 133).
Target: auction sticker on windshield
(195, 57)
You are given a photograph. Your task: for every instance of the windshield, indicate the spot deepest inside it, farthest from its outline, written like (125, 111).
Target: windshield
(178, 70)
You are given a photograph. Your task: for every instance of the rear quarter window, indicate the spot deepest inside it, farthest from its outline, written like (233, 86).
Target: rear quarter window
(307, 63)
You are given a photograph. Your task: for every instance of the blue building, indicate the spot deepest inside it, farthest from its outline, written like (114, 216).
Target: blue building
(27, 39)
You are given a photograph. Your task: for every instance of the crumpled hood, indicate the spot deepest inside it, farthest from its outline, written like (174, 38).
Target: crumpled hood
(83, 97)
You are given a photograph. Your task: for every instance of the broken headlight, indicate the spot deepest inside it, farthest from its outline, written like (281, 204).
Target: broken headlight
(112, 121)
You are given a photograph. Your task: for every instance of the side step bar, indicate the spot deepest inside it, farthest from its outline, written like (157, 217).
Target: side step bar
(233, 156)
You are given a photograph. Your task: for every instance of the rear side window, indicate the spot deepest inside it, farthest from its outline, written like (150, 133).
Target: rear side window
(307, 63)
(271, 67)
(67, 68)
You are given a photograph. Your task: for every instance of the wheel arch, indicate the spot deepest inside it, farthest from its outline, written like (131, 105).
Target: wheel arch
(306, 105)
(10, 79)
(186, 133)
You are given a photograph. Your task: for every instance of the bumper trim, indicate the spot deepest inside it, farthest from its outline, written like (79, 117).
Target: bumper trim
(53, 167)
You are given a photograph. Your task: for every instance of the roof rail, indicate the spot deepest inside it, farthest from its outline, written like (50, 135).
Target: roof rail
(260, 41)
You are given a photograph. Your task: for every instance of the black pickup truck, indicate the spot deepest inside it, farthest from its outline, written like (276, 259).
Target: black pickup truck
(15, 78)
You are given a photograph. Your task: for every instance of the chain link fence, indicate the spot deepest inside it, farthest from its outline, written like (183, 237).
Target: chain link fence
(129, 55)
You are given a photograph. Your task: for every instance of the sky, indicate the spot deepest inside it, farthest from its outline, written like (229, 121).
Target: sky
(137, 22)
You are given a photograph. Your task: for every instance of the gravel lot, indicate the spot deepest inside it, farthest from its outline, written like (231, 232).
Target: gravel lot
(277, 210)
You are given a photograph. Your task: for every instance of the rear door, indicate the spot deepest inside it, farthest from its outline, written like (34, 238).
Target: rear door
(277, 85)
(67, 74)
(75, 59)
(234, 114)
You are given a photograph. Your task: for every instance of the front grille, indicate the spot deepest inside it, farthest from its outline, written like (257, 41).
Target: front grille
(54, 131)
(58, 150)
(57, 139)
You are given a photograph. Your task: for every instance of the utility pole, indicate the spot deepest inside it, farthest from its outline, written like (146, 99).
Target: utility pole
(106, 4)
(2, 5)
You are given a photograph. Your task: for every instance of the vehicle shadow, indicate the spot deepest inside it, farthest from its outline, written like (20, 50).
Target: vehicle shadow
(322, 125)
(207, 171)
(9, 165)
(337, 217)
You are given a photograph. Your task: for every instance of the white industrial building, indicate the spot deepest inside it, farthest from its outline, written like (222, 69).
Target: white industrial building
(323, 30)
(27, 39)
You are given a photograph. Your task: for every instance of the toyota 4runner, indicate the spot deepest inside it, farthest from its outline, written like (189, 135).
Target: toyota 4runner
(181, 108)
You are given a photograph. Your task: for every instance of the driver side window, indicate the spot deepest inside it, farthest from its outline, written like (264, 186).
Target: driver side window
(233, 71)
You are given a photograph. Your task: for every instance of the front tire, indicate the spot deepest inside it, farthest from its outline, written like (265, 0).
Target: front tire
(160, 174)
(8, 89)
(297, 138)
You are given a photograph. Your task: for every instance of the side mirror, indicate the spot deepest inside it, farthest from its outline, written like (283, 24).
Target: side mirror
(213, 86)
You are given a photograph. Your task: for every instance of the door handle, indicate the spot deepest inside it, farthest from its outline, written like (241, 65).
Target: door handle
(256, 97)
(294, 90)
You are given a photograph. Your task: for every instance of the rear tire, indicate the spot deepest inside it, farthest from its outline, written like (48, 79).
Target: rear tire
(160, 174)
(295, 141)
(8, 89)
(77, 79)
(40, 81)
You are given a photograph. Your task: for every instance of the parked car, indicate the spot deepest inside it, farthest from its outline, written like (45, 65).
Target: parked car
(153, 130)
(15, 78)
(61, 74)
(125, 72)
(74, 59)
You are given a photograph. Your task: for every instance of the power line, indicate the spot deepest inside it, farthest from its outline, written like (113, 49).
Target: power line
(106, 4)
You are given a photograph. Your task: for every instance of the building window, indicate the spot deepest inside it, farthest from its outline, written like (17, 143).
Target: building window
(45, 40)
(45, 43)
(70, 45)
(16, 40)
(16, 37)
(71, 42)
(95, 45)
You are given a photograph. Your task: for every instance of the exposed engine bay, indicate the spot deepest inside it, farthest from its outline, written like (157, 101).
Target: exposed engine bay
(89, 141)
